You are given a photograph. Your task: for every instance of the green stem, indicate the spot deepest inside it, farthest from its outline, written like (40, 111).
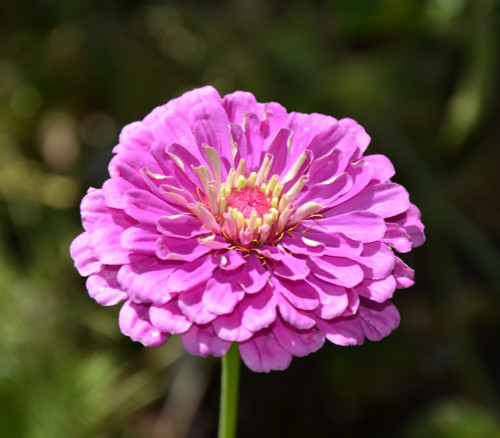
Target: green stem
(229, 393)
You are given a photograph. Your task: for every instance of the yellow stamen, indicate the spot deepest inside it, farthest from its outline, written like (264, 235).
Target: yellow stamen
(272, 183)
(241, 169)
(251, 179)
(241, 182)
(277, 190)
(284, 202)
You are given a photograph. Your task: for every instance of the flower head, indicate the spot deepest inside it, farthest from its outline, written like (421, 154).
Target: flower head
(226, 220)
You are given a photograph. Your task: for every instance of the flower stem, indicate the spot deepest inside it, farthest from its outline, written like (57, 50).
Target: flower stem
(229, 393)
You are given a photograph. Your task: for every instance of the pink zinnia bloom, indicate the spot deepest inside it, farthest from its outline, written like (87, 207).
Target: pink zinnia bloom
(226, 220)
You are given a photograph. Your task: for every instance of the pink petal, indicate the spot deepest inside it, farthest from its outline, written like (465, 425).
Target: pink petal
(263, 353)
(326, 167)
(297, 318)
(378, 320)
(83, 256)
(239, 103)
(171, 248)
(168, 318)
(231, 260)
(252, 276)
(327, 193)
(139, 240)
(104, 287)
(238, 143)
(397, 238)
(107, 247)
(362, 138)
(259, 310)
(336, 270)
(302, 245)
(230, 328)
(134, 322)
(316, 131)
(275, 117)
(358, 225)
(171, 128)
(146, 280)
(334, 299)
(298, 343)
(360, 175)
(279, 149)
(210, 124)
(403, 274)
(336, 244)
(353, 302)
(342, 331)
(184, 103)
(253, 142)
(222, 293)
(182, 226)
(384, 200)
(96, 214)
(202, 341)
(377, 290)
(128, 165)
(191, 304)
(377, 260)
(189, 275)
(134, 136)
(146, 208)
(299, 293)
(291, 268)
(114, 189)
(410, 221)
(384, 170)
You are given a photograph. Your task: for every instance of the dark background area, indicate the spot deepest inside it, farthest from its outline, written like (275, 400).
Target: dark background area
(422, 76)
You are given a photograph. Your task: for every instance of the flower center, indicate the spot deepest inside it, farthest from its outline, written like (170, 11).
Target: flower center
(247, 200)
(249, 210)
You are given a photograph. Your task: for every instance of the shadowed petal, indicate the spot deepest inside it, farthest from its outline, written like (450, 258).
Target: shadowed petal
(378, 320)
(252, 276)
(336, 270)
(298, 318)
(342, 331)
(222, 293)
(230, 328)
(171, 248)
(202, 341)
(297, 342)
(168, 318)
(334, 299)
(189, 275)
(377, 290)
(104, 287)
(134, 322)
(263, 353)
(182, 226)
(146, 280)
(403, 274)
(191, 304)
(259, 310)
(299, 293)
(83, 256)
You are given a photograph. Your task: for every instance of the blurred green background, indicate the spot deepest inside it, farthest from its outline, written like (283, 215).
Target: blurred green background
(422, 76)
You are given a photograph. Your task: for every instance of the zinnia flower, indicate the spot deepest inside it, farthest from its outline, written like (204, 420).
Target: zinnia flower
(226, 220)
